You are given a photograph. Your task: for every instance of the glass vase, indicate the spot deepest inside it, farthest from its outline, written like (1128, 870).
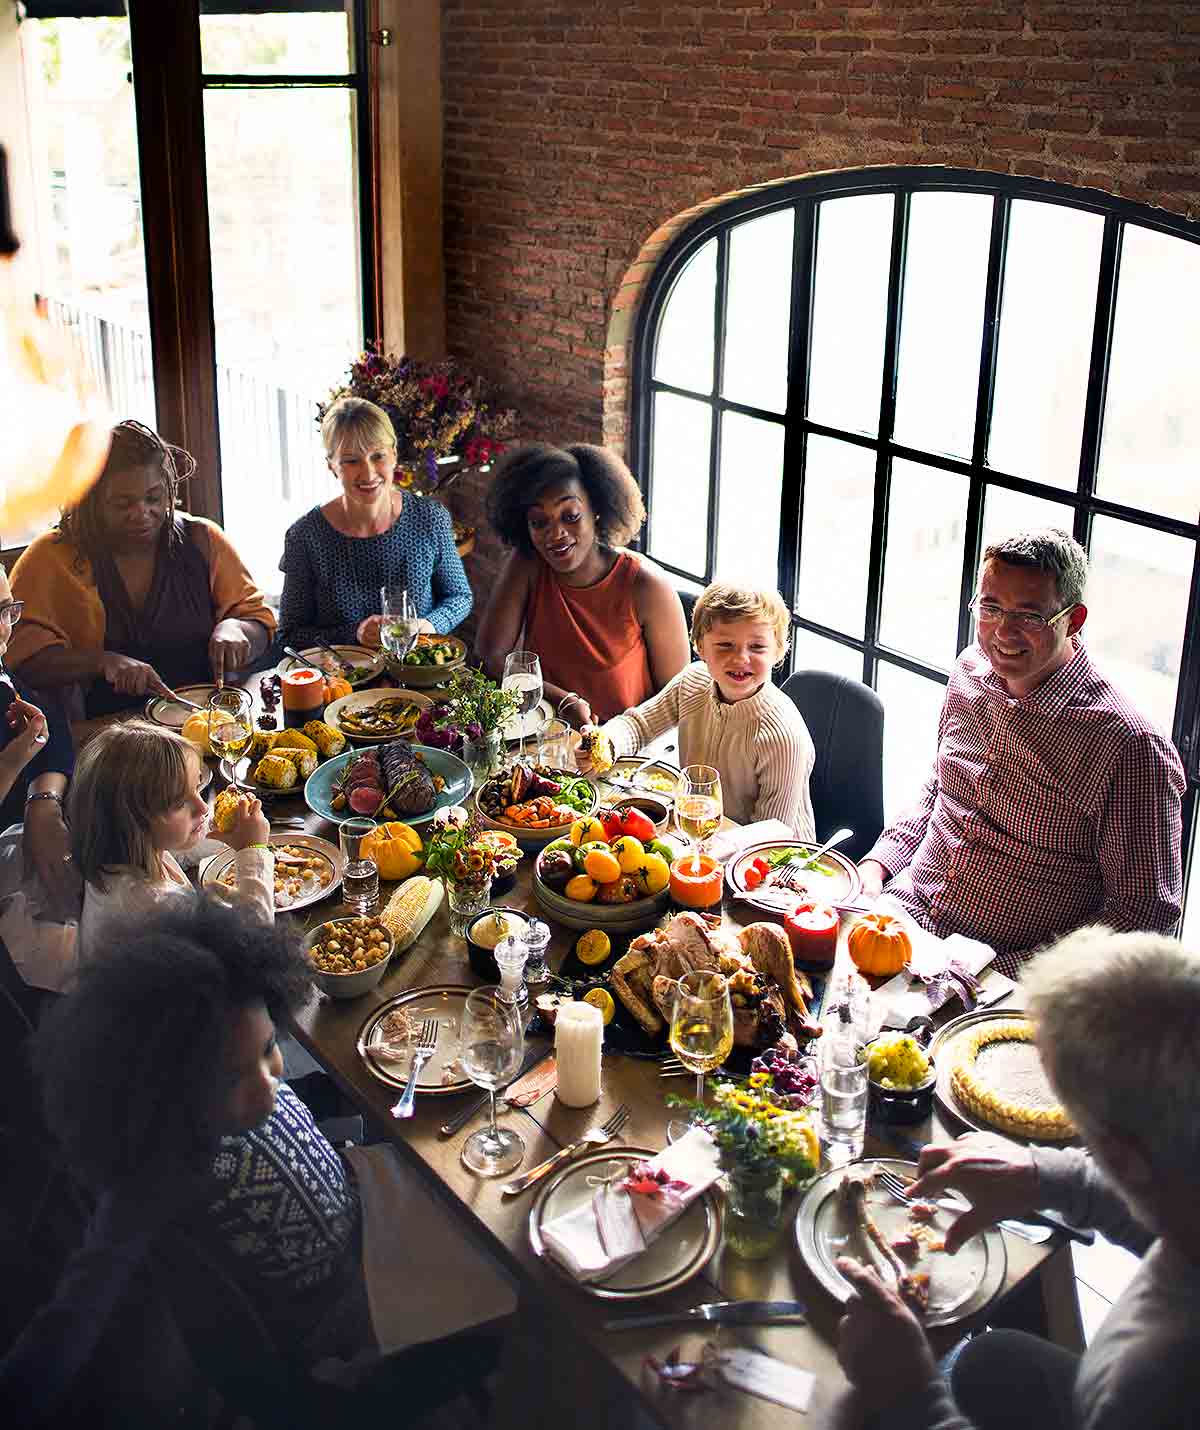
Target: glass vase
(483, 757)
(466, 900)
(753, 1211)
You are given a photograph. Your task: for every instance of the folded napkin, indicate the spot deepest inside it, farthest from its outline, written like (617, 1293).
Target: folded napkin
(727, 844)
(904, 997)
(631, 1220)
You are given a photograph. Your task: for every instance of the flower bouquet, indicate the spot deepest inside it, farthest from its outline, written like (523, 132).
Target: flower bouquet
(468, 720)
(438, 411)
(460, 853)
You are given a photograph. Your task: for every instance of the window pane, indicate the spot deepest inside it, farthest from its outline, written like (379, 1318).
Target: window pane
(911, 708)
(1005, 513)
(813, 652)
(683, 352)
(282, 198)
(927, 516)
(314, 43)
(1050, 275)
(1137, 598)
(679, 489)
(854, 239)
(758, 310)
(751, 486)
(1152, 410)
(835, 534)
(945, 274)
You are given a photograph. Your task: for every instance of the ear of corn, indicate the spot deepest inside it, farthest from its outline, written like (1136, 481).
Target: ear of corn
(292, 740)
(328, 740)
(410, 908)
(260, 744)
(224, 808)
(276, 771)
(305, 761)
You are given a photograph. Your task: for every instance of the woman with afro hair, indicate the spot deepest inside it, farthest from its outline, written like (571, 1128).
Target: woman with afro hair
(605, 622)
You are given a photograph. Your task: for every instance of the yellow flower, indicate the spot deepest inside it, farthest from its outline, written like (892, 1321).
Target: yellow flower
(744, 1101)
(405, 476)
(759, 1079)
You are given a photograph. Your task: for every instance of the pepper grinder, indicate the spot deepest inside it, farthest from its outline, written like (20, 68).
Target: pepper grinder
(511, 954)
(537, 939)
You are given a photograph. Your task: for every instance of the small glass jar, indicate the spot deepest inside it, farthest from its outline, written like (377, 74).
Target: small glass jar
(482, 756)
(753, 1210)
(466, 900)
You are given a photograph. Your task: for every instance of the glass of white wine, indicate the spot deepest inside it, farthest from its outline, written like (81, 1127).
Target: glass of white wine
(523, 676)
(400, 625)
(701, 1031)
(230, 736)
(698, 805)
(493, 1043)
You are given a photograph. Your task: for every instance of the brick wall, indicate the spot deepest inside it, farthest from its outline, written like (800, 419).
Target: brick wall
(577, 131)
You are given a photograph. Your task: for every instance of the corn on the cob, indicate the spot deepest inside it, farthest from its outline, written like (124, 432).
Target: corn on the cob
(292, 740)
(276, 771)
(224, 808)
(304, 760)
(410, 908)
(328, 740)
(260, 744)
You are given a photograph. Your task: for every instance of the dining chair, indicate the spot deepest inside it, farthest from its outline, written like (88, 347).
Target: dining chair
(845, 719)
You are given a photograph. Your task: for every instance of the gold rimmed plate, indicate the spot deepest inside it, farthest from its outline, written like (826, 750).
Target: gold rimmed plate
(833, 880)
(170, 713)
(442, 1073)
(361, 700)
(365, 663)
(327, 861)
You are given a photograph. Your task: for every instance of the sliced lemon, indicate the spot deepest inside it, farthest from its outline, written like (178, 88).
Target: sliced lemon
(601, 998)
(593, 947)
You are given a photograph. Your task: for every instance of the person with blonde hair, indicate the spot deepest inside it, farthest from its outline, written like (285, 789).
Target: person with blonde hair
(1115, 1016)
(728, 712)
(135, 802)
(340, 554)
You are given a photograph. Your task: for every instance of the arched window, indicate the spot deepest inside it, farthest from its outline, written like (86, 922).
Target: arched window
(852, 383)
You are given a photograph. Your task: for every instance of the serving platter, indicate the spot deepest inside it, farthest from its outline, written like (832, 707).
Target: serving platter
(834, 880)
(363, 700)
(170, 713)
(318, 788)
(213, 869)
(441, 1074)
(959, 1285)
(366, 662)
(682, 1251)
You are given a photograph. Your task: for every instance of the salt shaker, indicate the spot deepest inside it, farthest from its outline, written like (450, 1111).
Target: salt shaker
(537, 938)
(511, 954)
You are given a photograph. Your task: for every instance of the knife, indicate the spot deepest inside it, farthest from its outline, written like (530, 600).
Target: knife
(720, 1313)
(908, 1148)
(472, 1109)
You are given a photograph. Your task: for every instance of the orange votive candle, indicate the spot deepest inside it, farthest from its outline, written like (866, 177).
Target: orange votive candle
(697, 881)
(303, 688)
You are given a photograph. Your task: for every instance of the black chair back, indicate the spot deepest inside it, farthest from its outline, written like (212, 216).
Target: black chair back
(845, 719)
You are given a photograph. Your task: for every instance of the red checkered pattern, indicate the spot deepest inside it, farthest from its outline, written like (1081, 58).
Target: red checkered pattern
(1042, 814)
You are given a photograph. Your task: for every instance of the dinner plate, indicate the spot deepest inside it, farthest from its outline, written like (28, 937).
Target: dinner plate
(834, 880)
(318, 788)
(367, 663)
(671, 1260)
(959, 1285)
(660, 778)
(212, 869)
(527, 725)
(362, 700)
(170, 713)
(442, 1073)
(259, 791)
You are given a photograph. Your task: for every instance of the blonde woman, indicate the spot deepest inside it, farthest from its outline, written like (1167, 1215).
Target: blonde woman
(338, 556)
(729, 714)
(134, 801)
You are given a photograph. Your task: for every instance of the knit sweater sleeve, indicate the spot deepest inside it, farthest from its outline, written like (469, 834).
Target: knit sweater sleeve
(298, 606)
(646, 722)
(452, 595)
(785, 756)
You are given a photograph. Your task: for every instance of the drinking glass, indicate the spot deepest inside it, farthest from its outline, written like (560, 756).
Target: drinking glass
(698, 806)
(493, 1044)
(230, 738)
(400, 624)
(466, 900)
(360, 879)
(842, 1061)
(554, 745)
(523, 676)
(701, 1031)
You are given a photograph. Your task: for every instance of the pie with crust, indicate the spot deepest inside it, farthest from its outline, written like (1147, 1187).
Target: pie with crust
(1007, 1087)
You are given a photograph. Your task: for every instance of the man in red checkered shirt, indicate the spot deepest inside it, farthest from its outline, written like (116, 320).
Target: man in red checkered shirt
(1053, 802)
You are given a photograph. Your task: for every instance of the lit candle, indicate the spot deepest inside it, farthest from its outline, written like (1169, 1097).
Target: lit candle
(303, 689)
(578, 1041)
(813, 931)
(697, 881)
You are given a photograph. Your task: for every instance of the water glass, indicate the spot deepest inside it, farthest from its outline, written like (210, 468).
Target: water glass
(467, 900)
(493, 1043)
(360, 879)
(523, 678)
(400, 624)
(554, 745)
(843, 1067)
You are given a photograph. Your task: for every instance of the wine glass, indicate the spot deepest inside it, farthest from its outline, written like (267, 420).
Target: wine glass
(230, 738)
(698, 806)
(400, 624)
(493, 1044)
(523, 676)
(701, 1031)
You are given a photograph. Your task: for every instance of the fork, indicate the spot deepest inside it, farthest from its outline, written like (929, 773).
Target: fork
(672, 1067)
(1038, 1232)
(427, 1036)
(594, 1137)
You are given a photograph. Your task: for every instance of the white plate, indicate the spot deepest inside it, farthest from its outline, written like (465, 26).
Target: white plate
(213, 868)
(360, 700)
(360, 656)
(959, 1285)
(443, 1001)
(529, 724)
(170, 713)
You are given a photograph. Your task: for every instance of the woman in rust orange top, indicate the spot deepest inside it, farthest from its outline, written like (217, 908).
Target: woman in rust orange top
(605, 622)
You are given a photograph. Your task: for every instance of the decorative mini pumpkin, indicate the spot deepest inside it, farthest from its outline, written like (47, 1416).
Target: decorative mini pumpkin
(336, 687)
(395, 848)
(879, 944)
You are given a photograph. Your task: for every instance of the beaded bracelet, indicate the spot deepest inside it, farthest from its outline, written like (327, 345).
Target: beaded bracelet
(570, 695)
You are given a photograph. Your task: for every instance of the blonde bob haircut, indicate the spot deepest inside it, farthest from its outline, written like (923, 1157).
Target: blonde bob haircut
(124, 777)
(719, 602)
(356, 424)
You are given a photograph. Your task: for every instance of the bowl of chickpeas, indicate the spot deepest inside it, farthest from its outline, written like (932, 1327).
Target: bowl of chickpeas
(348, 956)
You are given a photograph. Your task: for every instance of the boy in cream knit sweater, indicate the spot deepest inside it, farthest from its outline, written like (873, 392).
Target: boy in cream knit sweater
(729, 714)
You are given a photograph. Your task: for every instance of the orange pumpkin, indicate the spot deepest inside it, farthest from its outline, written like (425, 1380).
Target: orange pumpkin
(879, 944)
(336, 687)
(396, 849)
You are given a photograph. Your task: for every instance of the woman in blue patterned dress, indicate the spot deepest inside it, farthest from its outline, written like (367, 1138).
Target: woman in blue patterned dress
(338, 556)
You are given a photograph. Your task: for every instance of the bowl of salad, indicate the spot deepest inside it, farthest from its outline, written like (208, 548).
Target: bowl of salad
(535, 803)
(432, 660)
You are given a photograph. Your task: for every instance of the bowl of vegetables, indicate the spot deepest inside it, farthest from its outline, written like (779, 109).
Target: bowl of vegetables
(432, 660)
(610, 872)
(534, 803)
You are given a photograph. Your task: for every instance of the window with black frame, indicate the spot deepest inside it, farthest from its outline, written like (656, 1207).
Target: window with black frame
(853, 383)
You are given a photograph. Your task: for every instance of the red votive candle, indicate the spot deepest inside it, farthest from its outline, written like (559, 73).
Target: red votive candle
(813, 932)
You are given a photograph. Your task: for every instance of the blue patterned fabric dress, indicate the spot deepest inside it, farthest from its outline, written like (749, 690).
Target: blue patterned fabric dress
(332, 581)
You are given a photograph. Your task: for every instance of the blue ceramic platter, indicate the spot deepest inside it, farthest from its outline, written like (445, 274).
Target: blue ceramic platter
(318, 789)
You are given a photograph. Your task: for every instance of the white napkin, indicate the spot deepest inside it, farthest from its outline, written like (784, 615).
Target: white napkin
(728, 843)
(573, 1239)
(904, 997)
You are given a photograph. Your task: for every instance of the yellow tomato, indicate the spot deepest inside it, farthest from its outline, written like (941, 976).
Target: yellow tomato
(584, 831)
(602, 999)
(593, 947)
(602, 865)
(653, 874)
(630, 853)
(581, 888)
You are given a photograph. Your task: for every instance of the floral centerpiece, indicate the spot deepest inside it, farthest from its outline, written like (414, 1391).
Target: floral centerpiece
(438, 412)
(466, 858)
(473, 708)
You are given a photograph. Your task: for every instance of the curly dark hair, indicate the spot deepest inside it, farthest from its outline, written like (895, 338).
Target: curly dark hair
(128, 1060)
(134, 446)
(523, 474)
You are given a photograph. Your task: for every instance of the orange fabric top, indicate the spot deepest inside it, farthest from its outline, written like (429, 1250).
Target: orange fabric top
(63, 607)
(589, 638)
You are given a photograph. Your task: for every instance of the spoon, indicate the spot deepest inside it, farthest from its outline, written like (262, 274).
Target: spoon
(631, 778)
(839, 837)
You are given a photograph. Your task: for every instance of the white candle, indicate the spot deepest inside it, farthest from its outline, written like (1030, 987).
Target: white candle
(578, 1040)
